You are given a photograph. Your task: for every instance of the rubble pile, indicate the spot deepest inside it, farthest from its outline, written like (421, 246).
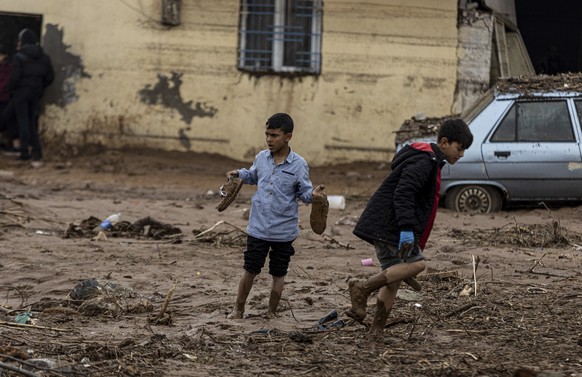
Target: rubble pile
(570, 82)
(421, 127)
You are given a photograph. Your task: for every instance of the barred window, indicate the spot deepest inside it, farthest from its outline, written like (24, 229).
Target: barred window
(280, 36)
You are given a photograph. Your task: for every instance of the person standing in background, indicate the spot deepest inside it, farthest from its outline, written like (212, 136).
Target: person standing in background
(8, 128)
(32, 72)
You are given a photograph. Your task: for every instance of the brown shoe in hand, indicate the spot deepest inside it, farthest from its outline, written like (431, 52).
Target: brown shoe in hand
(319, 209)
(228, 192)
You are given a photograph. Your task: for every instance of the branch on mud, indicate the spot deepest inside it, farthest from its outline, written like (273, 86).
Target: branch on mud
(17, 370)
(158, 318)
(475, 261)
(215, 226)
(16, 324)
(459, 309)
(235, 237)
(14, 216)
(22, 299)
(537, 262)
(336, 242)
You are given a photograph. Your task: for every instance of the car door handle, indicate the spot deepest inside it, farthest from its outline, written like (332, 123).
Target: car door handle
(502, 153)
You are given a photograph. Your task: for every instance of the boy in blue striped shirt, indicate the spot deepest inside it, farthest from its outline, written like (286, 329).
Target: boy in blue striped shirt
(282, 177)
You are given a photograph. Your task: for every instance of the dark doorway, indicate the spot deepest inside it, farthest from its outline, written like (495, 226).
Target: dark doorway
(13, 23)
(551, 31)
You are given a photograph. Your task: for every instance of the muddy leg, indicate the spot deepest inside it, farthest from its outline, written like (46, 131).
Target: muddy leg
(276, 293)
(244, 288)
(386, 298)
(359, 291)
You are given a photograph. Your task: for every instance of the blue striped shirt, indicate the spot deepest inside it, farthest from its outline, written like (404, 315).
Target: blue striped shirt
(274, 206)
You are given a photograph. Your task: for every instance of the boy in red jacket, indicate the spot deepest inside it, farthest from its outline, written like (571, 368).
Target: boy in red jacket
(398, 218)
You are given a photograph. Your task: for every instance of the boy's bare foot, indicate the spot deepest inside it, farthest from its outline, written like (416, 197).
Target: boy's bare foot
(271, 315)
(379, 321)
(236, 314)
(359, 298)
(375, 334)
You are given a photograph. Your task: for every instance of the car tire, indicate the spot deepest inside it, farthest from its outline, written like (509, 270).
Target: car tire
(473, 199)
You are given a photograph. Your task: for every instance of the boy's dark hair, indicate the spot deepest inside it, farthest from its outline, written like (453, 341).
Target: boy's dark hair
(3, 49)
(280, 121)
(456, 129)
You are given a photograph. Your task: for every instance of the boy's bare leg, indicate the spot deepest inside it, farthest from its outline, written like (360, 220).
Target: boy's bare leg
(386, 298)
(244, 288)
(361, 290)
(276, 293)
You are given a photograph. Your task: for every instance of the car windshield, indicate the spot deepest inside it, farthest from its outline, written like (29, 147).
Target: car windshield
(470, 113)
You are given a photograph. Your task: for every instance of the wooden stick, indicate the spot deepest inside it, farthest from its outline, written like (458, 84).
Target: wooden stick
(166, 302)
(334, 241)
(475, 271)
(15, 324)
(537, 262)
(18, 370)
(214, 227)
(459, 309)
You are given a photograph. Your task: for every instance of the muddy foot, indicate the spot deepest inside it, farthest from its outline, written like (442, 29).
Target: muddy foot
(359, 299)
(376, 335)
(270, 315)
(235, 315)
(379, 321)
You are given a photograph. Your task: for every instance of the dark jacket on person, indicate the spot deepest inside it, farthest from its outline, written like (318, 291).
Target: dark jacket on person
(407, 199)
(5, 72)
(32, 71)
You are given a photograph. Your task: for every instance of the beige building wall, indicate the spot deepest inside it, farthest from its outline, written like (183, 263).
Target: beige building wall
(124, 79)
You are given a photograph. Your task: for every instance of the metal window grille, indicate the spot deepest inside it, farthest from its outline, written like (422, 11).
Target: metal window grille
(280, 36)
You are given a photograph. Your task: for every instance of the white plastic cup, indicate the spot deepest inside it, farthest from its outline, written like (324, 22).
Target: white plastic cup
(367, 262)
(336, 201)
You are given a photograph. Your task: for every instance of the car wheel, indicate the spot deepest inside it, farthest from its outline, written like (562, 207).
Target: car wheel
(474, 199)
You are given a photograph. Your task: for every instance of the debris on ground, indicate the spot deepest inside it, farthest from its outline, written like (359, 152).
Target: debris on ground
(155, 229)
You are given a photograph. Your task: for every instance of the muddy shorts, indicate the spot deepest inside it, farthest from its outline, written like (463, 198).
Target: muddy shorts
(388, 255)
(279, 256)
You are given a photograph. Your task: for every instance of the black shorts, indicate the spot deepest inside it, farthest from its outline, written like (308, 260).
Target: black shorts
(279, 256)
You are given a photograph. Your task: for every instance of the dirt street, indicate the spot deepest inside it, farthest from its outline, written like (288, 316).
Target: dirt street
(178, 285)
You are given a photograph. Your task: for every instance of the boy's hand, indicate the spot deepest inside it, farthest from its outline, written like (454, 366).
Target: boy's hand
(232, 173)
(319, 190)
(406, 243)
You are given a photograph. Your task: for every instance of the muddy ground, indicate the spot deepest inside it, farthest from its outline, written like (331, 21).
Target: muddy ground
(180, 286)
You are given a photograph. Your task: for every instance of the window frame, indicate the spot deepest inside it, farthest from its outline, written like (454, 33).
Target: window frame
(514, 111)
(278, 41)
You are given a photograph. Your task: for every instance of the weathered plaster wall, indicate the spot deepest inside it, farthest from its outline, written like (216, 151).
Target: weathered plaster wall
(474, 52)
(125, 79)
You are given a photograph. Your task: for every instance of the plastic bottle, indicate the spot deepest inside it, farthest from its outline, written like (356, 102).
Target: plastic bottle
(111, 220)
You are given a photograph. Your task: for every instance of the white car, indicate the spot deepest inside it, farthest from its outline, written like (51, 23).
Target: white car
(527, 146)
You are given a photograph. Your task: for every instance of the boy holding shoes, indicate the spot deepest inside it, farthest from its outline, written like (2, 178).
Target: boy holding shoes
(282, 177)
(398, 218)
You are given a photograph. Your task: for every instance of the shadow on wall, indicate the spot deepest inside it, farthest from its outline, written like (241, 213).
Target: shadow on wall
(68, 68)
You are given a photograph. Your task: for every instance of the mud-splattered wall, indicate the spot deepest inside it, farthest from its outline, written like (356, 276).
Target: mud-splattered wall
(124, 79)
